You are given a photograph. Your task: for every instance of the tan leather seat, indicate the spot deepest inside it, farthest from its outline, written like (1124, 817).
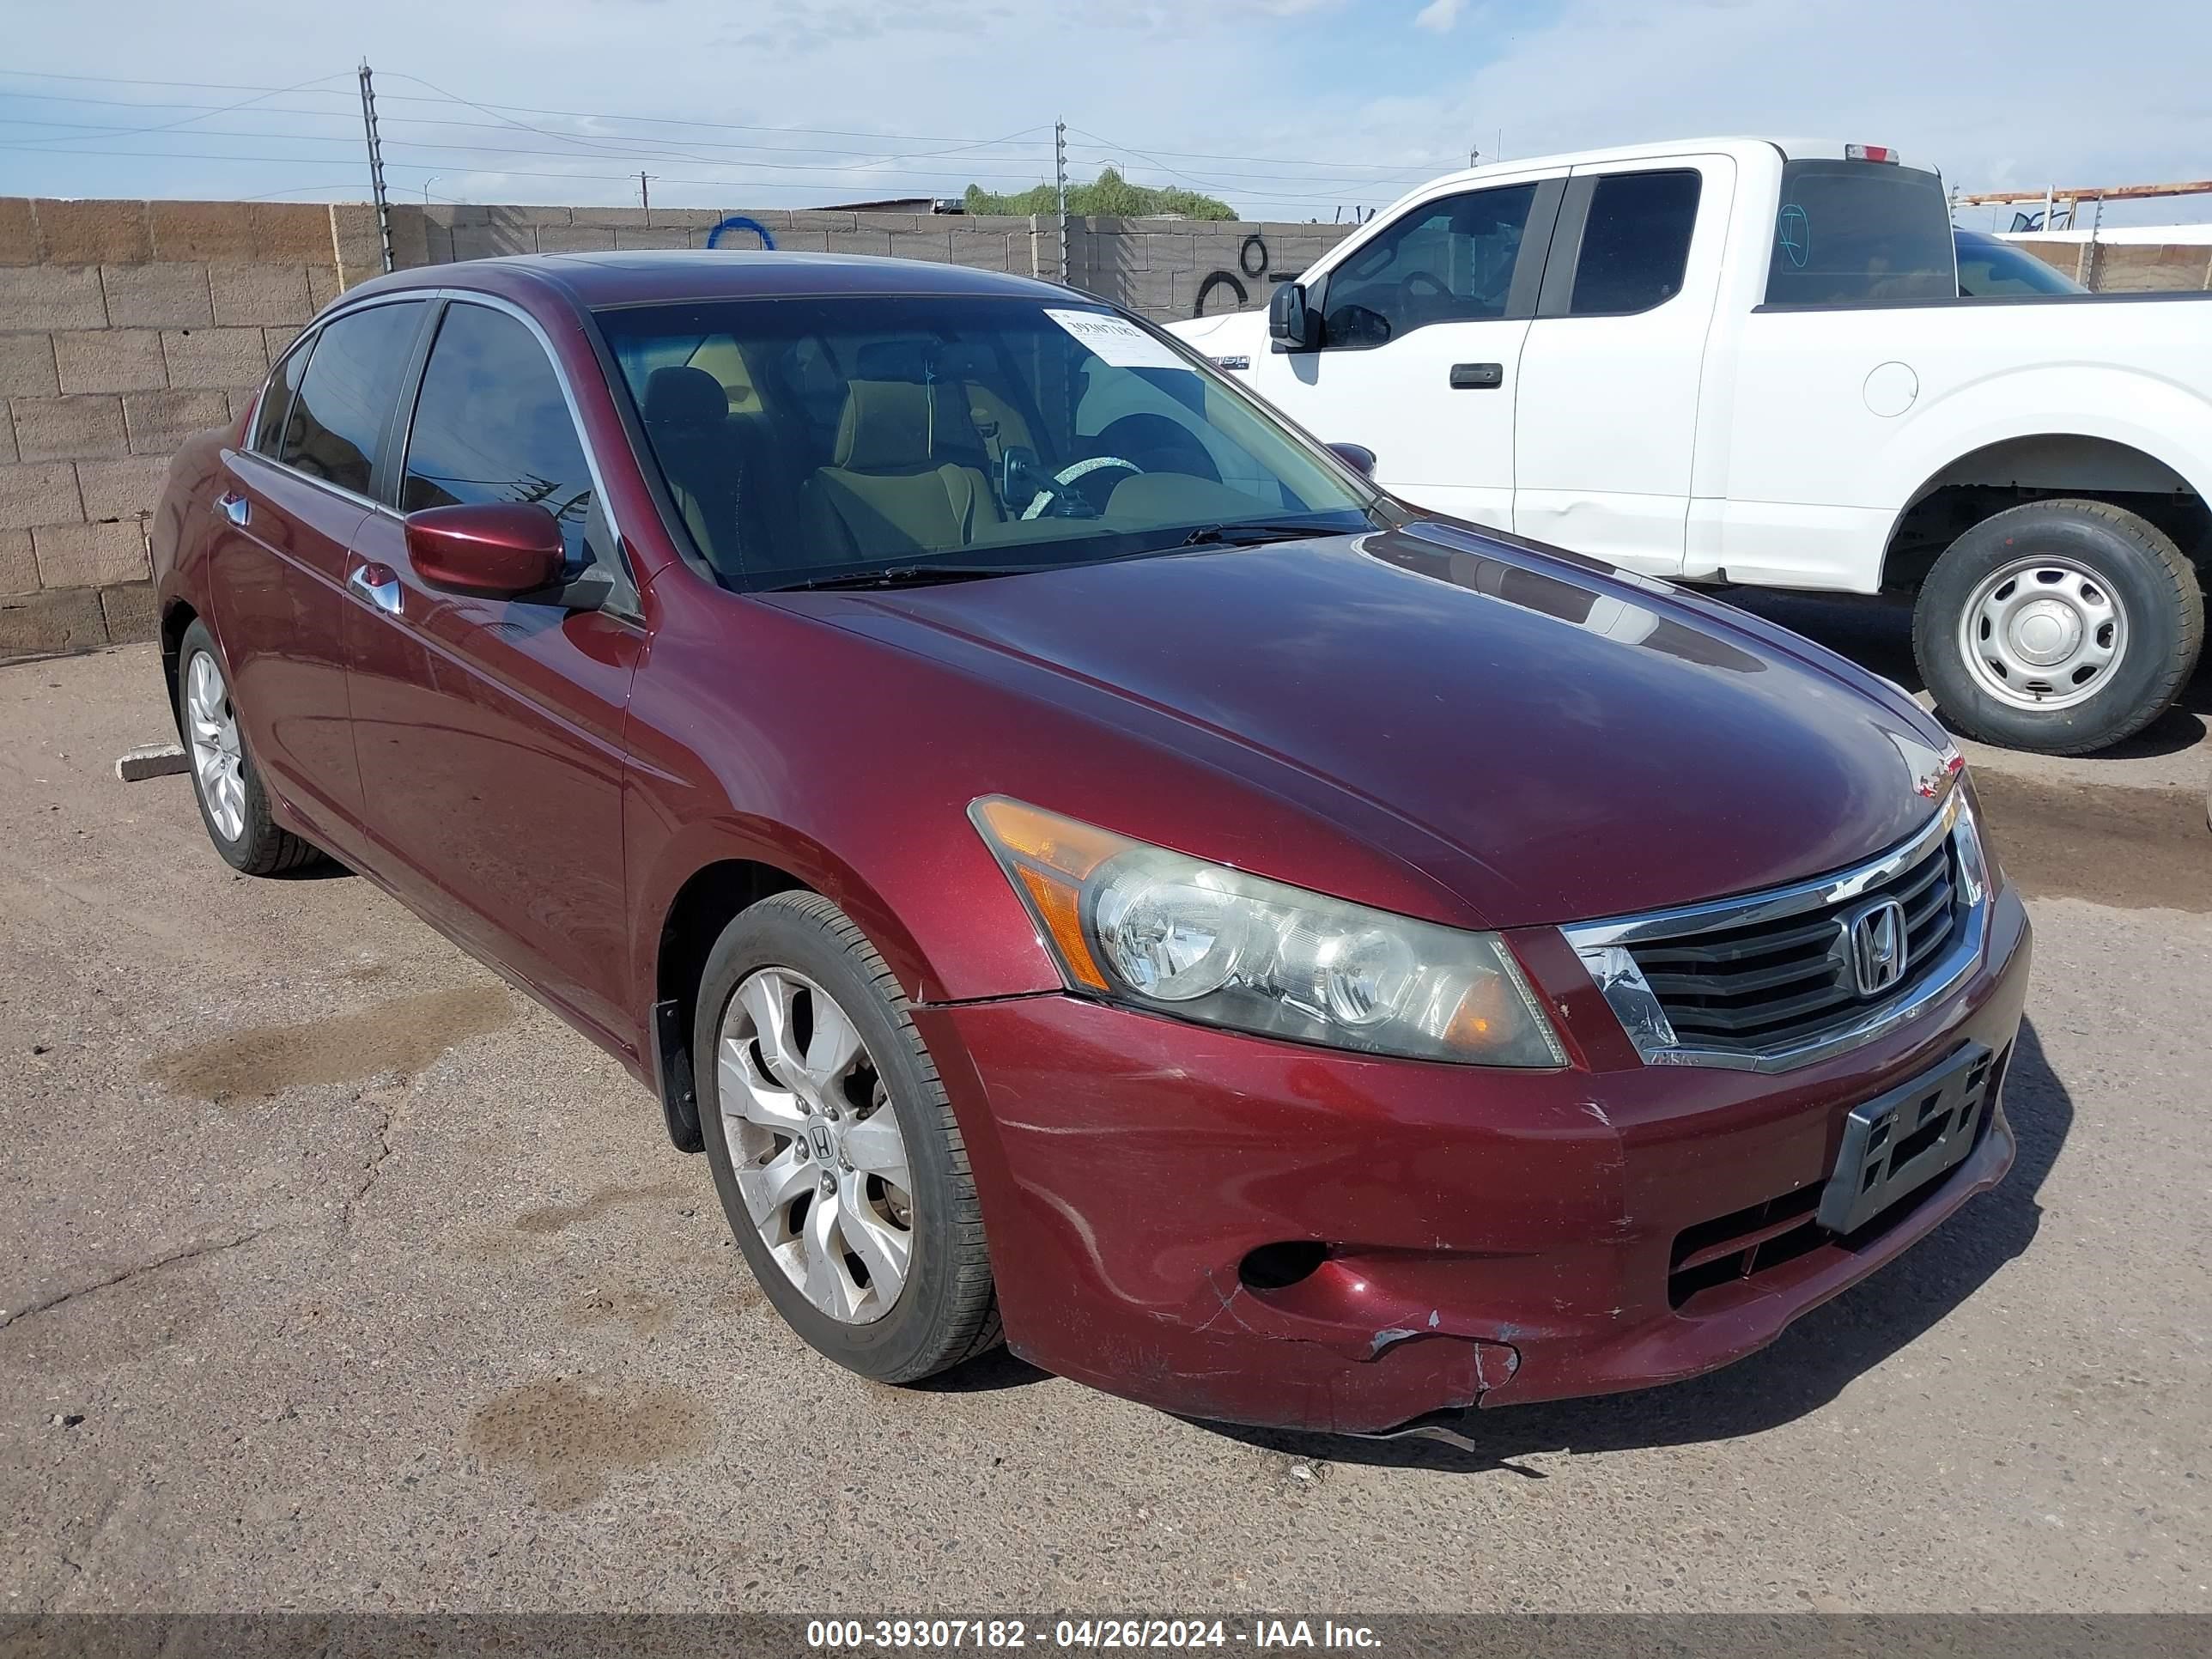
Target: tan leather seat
(885, 491)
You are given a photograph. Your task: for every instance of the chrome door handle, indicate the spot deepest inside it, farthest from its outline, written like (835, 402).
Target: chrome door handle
(235, 507)
(376, 584)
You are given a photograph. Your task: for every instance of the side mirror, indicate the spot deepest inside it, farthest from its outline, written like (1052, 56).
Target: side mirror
(493, 550)
(1291, 324)
(1358, 457)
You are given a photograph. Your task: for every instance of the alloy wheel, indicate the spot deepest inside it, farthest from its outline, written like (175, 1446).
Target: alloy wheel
(218, 757)
(2043, 633)
(815, 1145)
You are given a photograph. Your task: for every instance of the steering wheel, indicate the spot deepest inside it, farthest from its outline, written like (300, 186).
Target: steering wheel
(1426, 296)
(1060, 495)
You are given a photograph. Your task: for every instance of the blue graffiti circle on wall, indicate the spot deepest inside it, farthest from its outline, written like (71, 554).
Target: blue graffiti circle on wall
(739, 221)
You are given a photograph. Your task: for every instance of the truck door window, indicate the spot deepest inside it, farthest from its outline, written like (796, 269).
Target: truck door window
(1636, 242)
(1860, 233)
(1447, 261)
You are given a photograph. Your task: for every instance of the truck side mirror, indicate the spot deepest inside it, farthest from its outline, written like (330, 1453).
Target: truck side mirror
(1291, 324)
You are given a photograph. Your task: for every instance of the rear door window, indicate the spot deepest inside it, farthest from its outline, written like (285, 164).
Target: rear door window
(346, 396)
(1860, 233)
(491, 424)
(1636, 242)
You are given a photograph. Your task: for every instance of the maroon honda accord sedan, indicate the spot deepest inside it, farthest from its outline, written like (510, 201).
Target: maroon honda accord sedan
(1087, 870)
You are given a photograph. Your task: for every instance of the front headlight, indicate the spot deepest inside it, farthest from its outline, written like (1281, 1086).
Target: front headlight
(1179, 936)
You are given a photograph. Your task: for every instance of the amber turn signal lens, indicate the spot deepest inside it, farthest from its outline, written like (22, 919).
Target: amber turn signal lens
(1049, 858)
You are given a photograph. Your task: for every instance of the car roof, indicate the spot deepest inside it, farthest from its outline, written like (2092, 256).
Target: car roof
(678, 275)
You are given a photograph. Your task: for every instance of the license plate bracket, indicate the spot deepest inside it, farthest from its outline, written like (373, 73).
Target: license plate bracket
(1900, 1141)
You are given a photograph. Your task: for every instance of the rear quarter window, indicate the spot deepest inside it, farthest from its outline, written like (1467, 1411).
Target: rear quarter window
(275, 404)
(1860, 233)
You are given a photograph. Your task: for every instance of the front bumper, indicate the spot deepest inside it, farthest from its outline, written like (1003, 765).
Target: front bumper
(1453, 1236)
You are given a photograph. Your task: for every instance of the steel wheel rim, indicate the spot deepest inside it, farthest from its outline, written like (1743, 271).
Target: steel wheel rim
(2043, 633)
(819, 1160)
(218, 757)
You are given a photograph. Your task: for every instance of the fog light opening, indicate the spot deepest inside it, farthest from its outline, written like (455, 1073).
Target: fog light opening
(1279, 1267)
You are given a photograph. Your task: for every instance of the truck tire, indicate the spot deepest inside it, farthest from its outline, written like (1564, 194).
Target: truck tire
(2060, 626)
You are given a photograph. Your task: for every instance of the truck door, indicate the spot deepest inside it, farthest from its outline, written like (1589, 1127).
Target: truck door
(1606, 420)
(1422, 325)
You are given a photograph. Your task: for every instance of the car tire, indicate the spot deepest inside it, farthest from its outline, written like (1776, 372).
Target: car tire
(824, 1253)
(2061, 627)
(233, 800)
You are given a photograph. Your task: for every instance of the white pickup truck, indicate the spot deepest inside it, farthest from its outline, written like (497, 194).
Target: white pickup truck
(1738, 360)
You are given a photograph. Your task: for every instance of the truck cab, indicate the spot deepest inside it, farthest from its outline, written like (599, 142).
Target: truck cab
(1746, 361)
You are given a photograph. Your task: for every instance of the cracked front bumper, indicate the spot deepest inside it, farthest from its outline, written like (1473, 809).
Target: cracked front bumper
(1484, 1237)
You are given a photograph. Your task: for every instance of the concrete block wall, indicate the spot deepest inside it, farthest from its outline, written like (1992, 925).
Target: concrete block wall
(2129, 267)
(126, 327)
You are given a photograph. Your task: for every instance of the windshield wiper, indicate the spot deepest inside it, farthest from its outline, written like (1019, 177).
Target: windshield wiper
(907, 575)
(1251, 532)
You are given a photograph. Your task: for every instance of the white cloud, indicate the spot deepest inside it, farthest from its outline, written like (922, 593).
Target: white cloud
(1962, 85)
(1967, 84)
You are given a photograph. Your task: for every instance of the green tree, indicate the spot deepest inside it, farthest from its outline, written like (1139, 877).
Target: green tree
(1110, 195)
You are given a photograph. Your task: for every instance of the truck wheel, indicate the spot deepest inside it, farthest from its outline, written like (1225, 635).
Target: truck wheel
(2059, 627)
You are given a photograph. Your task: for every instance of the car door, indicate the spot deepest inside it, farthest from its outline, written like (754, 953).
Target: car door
(1605, 426)
(489, 732)
(290, 503)
(1421, 334)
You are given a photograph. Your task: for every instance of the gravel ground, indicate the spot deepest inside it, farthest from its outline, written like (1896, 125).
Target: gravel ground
(337, 1275)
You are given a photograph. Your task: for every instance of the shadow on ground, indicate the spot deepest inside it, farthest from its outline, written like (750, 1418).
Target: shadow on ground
(1811, 1362)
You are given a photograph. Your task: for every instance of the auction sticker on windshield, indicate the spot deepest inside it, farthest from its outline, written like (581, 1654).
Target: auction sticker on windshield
(1117, 341)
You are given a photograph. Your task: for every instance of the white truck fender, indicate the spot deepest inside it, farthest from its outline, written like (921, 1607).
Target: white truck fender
(2160, 418)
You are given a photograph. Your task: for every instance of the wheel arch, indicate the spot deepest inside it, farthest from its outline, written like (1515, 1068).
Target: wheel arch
(176, 618)
(2043, 464)
(708, 877)
(703, 906)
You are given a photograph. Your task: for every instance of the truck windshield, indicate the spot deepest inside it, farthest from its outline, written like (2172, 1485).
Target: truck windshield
(1860, 233)
(816, 441)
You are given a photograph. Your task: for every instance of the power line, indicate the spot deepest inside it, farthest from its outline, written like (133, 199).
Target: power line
(915, 181)
(467, 150)
(310, 89)
(872, 165)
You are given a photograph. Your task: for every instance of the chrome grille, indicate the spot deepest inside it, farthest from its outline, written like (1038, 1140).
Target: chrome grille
(1770, 980)
(1784, 982)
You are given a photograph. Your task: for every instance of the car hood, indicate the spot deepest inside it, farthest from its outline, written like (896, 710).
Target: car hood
(1550, 739)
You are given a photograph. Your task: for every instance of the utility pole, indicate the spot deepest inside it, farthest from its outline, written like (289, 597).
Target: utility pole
(375, 162)
(644, 196)
(1060, 177)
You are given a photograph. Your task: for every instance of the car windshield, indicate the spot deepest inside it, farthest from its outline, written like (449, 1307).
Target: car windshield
(807, 442)
(1989, 269)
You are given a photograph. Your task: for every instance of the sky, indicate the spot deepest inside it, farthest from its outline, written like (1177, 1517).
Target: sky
(1287, 109)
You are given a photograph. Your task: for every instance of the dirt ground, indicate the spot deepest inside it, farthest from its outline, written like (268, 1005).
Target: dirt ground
(335, 1275)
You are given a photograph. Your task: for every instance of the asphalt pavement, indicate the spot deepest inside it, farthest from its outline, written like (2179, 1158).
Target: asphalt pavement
(337, 1275)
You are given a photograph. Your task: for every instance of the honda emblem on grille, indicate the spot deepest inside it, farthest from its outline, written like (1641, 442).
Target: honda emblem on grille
(1876, 935)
